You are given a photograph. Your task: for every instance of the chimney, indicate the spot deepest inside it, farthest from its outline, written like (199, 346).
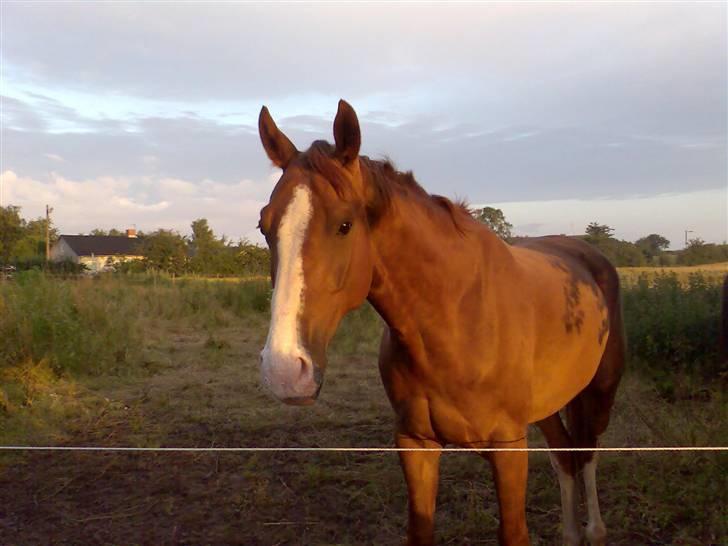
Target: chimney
(131, 233)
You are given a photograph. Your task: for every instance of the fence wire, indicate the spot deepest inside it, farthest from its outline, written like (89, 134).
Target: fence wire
(131, 449)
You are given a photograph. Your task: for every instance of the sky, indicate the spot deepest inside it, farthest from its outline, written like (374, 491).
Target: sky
(130, 114)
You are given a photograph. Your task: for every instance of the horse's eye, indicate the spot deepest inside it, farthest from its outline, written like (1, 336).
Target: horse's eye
(344, 228)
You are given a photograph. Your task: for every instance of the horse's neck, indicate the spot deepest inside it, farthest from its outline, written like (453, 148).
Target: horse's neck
(421, 263)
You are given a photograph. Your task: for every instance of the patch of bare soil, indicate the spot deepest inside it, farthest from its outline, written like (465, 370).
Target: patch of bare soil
(204, 392)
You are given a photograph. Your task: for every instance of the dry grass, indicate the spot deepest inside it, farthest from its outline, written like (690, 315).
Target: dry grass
(198, 386)
(711, 272)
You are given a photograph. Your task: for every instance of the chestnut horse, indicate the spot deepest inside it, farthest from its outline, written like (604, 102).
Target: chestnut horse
(481, 338)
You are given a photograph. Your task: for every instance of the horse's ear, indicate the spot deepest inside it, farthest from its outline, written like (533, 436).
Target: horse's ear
(346, 133)
(279, 148)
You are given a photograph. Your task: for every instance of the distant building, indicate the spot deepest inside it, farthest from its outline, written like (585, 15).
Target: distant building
(97, 252)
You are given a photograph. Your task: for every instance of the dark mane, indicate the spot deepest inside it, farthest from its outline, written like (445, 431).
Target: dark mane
(385, 180)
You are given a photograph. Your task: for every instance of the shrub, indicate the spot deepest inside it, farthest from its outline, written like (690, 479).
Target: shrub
(673, 327)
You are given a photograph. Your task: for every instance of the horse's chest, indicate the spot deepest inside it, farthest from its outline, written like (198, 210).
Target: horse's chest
(460, 421)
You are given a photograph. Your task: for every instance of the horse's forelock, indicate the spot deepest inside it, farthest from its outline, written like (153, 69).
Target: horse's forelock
(320, 159)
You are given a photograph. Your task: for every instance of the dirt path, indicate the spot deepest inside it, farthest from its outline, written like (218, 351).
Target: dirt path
(203, 391)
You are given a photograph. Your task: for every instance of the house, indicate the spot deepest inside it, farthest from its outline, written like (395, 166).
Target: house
(97, 252)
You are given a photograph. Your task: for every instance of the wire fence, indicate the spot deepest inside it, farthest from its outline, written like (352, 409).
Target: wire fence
(131, 449)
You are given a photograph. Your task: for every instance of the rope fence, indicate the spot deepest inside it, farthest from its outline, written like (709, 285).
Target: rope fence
(360, 449)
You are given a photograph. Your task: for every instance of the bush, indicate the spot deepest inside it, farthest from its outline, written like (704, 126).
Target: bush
(673, 327)
(62, 268)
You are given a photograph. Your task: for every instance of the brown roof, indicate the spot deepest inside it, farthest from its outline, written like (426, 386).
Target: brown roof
(102, 245)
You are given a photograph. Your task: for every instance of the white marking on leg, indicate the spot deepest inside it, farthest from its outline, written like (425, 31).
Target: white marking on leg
(596, 531)
(287, 300)
(569, 521)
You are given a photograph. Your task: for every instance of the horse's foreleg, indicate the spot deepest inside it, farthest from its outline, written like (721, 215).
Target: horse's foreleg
(421, 471)
(510, 470)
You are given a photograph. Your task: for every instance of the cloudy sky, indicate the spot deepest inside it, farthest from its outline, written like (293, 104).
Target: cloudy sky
(121, 114)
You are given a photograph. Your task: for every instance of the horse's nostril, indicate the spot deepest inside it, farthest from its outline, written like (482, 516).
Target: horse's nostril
(304, 366)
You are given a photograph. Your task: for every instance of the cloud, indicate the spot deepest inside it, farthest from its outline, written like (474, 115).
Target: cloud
(182, 147)
(106, 202)
(655, 69)
(232, 209)
(705, 213)
(493, 102)
(512, 163)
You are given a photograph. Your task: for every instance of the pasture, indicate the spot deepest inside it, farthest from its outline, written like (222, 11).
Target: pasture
(710, 272)
(145, 361)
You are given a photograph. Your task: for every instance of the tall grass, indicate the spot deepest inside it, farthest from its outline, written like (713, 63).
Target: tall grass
(76, 327)
(98, 326)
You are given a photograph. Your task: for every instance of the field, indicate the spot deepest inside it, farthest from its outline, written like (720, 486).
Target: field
(151, 362)
(713, 272)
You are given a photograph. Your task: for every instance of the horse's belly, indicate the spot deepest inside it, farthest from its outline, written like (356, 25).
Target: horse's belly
(556, 381)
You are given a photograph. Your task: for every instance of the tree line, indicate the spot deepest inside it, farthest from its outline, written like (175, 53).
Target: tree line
(22, 242)
(650, 250)
(201, 253)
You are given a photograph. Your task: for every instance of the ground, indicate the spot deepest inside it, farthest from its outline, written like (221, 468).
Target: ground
(199, 389)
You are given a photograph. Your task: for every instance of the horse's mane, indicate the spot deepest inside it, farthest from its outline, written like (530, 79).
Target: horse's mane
(385, 180)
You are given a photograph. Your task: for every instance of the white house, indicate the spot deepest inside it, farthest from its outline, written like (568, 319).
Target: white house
(97, 252)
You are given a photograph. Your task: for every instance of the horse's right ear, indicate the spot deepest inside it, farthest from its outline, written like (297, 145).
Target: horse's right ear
(279, 148)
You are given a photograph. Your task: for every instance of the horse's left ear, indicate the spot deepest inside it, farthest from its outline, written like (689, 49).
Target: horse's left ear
(346, 133)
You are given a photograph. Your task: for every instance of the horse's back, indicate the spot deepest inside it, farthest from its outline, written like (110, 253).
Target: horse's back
(579, 254)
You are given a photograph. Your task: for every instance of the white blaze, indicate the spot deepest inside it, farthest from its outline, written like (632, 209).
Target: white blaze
(287, 301)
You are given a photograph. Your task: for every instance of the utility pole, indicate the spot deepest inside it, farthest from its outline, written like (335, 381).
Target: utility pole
(48, 232)
(686, 235)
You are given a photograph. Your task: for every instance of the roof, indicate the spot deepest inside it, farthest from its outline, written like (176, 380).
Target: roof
(102, 245)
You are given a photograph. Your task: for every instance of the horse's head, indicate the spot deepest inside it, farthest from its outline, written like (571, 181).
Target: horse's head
(317, 229)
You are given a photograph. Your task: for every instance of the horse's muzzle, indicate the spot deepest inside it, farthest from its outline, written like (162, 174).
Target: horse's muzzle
(293, 379)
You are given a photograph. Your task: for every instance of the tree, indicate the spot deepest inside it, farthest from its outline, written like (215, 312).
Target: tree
(32, 244)
(11, 231)
(113, 232)
(165, 250)
(208, 252)
(620, 253)
(699, 252)
(252, 259)
(495, 220)
(596, 230)
(652, 245)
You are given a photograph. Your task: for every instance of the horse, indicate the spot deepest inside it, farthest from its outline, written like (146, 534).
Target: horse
(482, 338)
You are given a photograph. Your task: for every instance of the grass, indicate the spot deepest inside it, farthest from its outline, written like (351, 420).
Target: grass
(192, 380)
(711, 272)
